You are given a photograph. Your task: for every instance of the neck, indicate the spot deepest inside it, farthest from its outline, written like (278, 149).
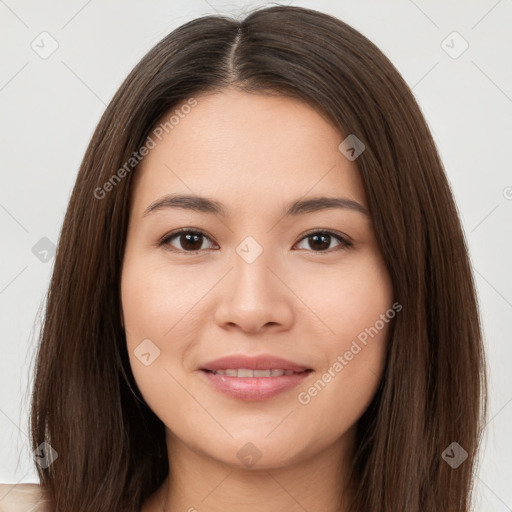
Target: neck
(199, 482)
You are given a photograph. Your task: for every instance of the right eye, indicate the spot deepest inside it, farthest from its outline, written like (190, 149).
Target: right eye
(191, 240)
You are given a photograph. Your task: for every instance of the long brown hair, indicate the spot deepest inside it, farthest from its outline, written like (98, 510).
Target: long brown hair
(85, 403)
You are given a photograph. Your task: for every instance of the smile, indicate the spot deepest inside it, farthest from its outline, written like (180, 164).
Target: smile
(246, 372)
(253, 385)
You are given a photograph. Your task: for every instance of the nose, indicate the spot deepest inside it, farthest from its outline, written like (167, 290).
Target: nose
(256, 296)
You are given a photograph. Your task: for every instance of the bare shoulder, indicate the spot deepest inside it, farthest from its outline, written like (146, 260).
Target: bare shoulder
(23, 498)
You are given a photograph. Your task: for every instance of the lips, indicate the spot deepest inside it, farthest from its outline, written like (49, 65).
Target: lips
(262, 362)
(248, 373)
(254, 378)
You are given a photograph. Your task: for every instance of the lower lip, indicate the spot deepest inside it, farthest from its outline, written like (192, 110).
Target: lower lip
(254, 388)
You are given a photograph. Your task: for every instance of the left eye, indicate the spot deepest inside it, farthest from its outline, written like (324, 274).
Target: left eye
(192, 241)
(320, 239)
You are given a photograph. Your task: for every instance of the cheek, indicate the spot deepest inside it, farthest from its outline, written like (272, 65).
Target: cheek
(354, 351)
(154, 311)
(351, 298)
(156, 298)
(153, 304)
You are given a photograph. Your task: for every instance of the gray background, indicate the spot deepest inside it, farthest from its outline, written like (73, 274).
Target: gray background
(50, 107)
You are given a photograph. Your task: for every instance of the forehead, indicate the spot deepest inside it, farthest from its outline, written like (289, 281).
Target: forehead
(245, 149)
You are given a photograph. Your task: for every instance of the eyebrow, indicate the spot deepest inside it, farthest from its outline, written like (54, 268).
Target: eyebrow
(211, 206)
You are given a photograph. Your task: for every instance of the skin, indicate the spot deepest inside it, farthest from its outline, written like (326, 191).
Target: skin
(298, 300)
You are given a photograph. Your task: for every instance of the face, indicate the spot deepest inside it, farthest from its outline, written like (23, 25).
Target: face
(251, 276)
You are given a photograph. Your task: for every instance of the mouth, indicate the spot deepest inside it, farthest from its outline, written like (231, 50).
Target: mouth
(248, 373)
(254, 385)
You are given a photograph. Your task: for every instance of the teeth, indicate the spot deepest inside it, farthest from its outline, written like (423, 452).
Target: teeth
(245, 372)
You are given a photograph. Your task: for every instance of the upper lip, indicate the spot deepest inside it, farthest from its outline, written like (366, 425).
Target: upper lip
(261, 362)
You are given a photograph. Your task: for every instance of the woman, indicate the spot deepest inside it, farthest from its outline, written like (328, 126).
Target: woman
(262, 293)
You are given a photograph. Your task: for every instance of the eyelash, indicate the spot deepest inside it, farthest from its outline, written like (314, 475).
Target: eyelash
(345, 243)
